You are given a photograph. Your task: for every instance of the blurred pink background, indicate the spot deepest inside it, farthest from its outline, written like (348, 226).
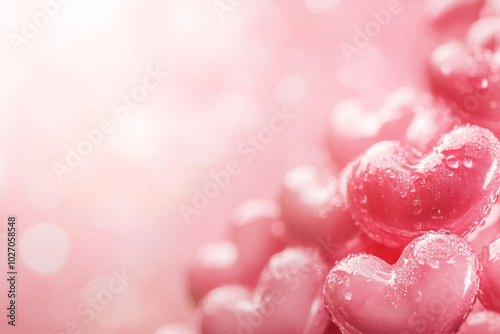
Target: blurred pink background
(169, 92)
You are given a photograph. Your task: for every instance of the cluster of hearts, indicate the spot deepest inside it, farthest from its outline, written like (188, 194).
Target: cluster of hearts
(394, 242)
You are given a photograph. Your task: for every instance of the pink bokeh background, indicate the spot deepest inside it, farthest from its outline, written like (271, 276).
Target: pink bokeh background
(118, 210)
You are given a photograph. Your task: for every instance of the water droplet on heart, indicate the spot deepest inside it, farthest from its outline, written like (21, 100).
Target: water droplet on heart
(451, 260)
(421, 261)
(417, 207)
(467, 163)
(484, 83)
(434, 263)
(417, 225)
(363, 199)
(450, 173)
(487, 209)
(494, 197)
(390, 172)
(452, 162)
(436, 213)
(403, 193)
(418, 296)
(348, 295)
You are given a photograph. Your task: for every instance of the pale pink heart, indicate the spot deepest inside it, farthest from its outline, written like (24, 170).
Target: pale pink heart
(430, 289)
(238, 261)
(287, 299)
(312, 207)
(489, 293)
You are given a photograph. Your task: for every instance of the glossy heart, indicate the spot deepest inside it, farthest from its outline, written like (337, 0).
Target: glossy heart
(485, 33)
(359, 243)
(453, 12)
(470, 79)
(407, 115)
(483, 235)
(312, 208)
(395, 193)
(237, 260)
(484, 322)
(288, 299)
(430, 289)
(489, 293)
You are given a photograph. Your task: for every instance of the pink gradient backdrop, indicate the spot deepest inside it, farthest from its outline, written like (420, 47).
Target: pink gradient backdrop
(119, 208)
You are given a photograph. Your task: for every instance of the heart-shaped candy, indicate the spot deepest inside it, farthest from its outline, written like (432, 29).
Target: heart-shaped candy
(312, 208)
(407, 115)
(288, 299)
(174, 329)
(430, 289)
(489, 293)
(396, 192)
(484, 322)
(484, 233)
(254, 222)
(485, 33)
(470, 79)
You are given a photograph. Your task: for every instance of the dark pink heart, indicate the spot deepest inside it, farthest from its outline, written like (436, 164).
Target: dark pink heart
(395, 193)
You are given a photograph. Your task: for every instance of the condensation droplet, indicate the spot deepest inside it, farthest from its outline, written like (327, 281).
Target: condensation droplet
(452, 162)
(348, 295)
(418, 296)
(417, 207)
(434, 263)
(467, 163)
(363, 199)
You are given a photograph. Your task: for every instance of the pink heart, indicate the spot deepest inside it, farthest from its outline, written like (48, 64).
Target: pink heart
(485, 33)
(237, 260)
(489, 293)
(407, 115)
(288, 299)
(483, 322)
(483, 234)
(453, 12)
(313, 209)
(431, 289)
(396, 192)
(470, 78)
